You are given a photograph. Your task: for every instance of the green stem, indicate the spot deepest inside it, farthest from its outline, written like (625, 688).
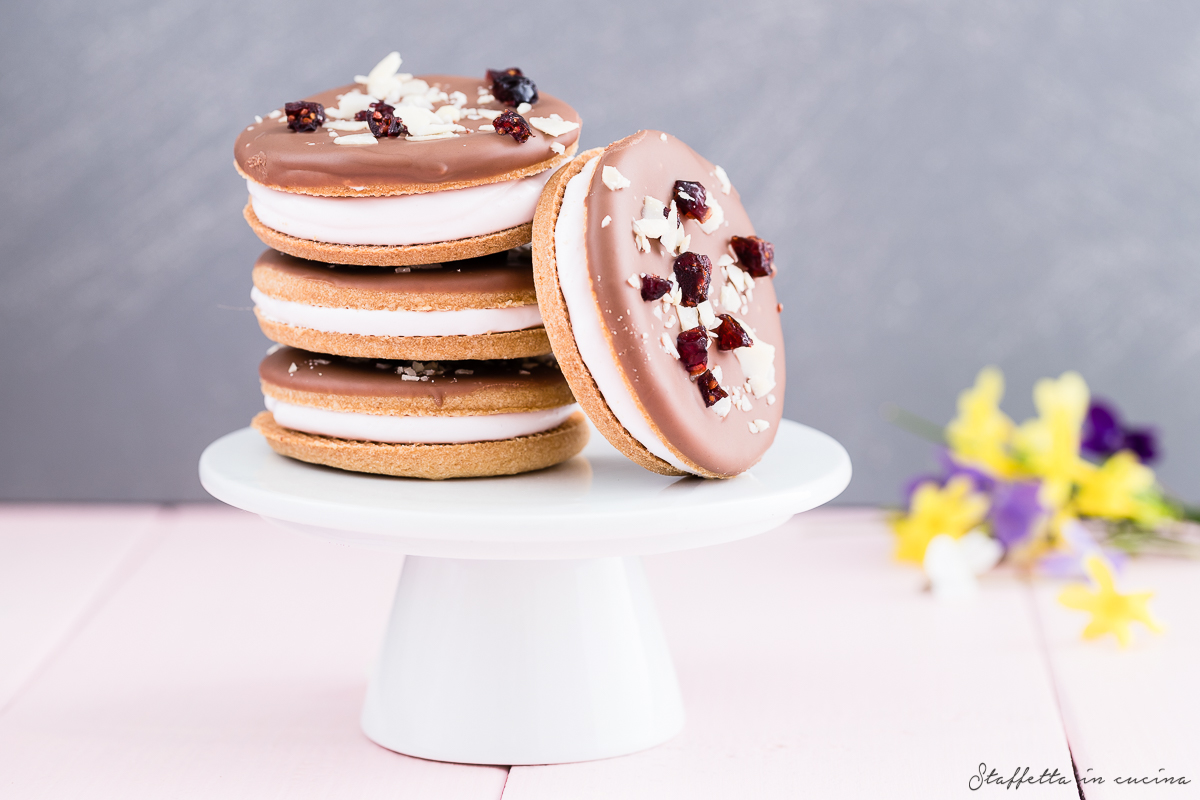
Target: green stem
(1186, 512)
(908, 421)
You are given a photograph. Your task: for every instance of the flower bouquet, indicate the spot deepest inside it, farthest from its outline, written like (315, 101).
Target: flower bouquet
(1067, 493)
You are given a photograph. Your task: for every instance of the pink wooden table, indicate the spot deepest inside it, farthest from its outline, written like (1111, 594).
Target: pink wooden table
(196, 651)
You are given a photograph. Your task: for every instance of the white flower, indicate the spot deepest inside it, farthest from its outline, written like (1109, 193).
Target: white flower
(952, 564)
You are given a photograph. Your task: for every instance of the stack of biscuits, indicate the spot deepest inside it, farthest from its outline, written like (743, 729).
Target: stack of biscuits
(399, 285)
(435, 242)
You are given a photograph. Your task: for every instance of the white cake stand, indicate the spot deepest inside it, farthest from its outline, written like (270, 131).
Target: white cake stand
(523, 630)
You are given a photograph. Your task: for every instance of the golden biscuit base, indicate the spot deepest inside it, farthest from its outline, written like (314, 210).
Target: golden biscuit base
(562, 338)
(372, 255)
(283, 285)
(394, 189)
(508, 344)
(430, 461)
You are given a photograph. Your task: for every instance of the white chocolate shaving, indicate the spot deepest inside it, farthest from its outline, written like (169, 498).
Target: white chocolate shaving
(730, 298)
(613, 179)
(348, 105)
(429, 137)
(736, 275)
(667, 343)
(382, 77)
(652, 225)
(553, 125)
(723, 178)
(346, 125)
(423, 123)
(715, 218)
(558, 148)
(604, 222)
(758, 363)
(722, 407)
(357, 139)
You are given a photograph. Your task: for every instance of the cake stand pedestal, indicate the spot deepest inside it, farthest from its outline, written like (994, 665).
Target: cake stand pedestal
(523, 630)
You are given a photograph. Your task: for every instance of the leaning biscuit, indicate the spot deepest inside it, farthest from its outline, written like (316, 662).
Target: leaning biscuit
(399, 170)
(658, 301)
(484, 308)
(419, 419)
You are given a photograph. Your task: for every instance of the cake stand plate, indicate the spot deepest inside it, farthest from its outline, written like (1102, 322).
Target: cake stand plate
(523, 630)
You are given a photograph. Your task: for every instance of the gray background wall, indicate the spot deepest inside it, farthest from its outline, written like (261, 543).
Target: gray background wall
(947, 184)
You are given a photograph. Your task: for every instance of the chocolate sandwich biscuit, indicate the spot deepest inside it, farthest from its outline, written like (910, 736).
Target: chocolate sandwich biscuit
(396, 170)
(657, 297)
(419, 419)
(482, 308)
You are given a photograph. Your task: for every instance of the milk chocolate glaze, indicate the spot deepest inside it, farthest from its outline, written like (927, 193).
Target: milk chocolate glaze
(274, 155)
(509, 272)
(364, 377)
(660, 382)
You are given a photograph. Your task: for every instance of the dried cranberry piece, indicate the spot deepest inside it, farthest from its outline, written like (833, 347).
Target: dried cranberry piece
(654, 287)
(755, 255)
(494, 75)
(710, 390)
(512, 124)
(691, 200)
(730, 334)
(511, 87)
(694, 273)
(303, 116)
(693, 350)
(382, 121)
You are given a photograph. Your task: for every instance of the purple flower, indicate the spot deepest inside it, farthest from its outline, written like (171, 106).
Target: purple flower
(1015, 510)
(1143, 442)
(983, 482)
(1104, 434)
(1081, 544)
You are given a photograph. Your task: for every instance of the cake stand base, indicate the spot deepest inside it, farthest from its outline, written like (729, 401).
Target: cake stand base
(523, 631)
(522, 662)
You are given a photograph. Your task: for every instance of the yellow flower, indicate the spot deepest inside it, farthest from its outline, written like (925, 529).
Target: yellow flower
(1121, 488)
(980, 434)
(952, 510)
(1049, 444)
(1112, 612)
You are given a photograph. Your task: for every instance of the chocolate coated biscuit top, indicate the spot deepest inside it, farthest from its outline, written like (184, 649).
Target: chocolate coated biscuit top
(302, 371)
(272, 154)
(652, 162)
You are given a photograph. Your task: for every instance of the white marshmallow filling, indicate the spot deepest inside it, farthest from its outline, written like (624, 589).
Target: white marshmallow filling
(402, 219)
(416, 429)
(376, 322)
(587, 322)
